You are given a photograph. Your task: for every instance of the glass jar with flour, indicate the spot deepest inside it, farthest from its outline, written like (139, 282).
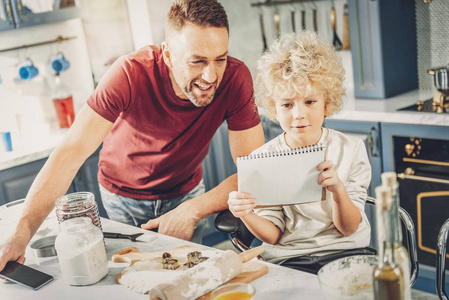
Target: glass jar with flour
(81, 252)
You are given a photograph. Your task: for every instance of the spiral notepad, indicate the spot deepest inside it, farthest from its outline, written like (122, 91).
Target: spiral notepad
(282, 178)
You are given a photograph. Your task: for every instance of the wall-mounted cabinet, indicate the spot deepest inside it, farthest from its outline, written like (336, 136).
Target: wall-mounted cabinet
(383, 47)
(22, 13)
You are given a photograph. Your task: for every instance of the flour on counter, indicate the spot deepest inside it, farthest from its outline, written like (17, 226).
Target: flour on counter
(147, 275)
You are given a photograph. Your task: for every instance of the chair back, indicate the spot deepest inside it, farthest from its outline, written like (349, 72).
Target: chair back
(441, 261)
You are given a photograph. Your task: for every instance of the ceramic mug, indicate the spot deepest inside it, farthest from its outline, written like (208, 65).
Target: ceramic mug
(28, 70)
(5, 141)
(60, 64)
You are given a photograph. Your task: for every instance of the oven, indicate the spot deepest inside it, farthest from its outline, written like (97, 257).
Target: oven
(422, 165)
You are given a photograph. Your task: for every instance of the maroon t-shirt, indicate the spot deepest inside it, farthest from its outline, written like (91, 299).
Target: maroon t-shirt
(158, 141)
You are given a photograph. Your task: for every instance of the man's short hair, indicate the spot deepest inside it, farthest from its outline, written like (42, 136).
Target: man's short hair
(205, 13)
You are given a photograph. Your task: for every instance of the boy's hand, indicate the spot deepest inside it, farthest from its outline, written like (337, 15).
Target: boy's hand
(240, 204)
(328, 177)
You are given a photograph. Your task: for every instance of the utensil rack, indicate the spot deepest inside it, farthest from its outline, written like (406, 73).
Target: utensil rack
(274, 3)
(59, 39)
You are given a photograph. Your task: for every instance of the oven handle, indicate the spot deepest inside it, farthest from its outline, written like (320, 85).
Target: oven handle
(422, 178)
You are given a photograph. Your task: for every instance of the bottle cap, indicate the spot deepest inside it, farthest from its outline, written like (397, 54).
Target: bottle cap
(389, 178)
(383, 197)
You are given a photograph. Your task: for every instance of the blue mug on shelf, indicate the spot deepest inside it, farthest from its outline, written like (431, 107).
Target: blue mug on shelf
(5, 141)
(28, 70)
(60, 64)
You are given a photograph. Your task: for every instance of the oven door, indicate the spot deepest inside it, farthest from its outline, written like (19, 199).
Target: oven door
(427, 203)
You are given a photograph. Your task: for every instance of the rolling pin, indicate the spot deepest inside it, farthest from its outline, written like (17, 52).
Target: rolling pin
(204, 277)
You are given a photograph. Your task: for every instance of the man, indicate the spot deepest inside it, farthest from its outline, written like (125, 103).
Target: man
(155, 111)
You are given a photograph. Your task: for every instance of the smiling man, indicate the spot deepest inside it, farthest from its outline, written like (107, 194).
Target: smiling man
(156, 111)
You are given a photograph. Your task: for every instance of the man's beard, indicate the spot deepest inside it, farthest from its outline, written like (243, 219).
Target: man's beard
(194, 99)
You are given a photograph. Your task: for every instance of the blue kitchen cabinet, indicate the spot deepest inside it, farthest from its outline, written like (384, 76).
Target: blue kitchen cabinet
(383, 47)
(22, 13)
(15, 182)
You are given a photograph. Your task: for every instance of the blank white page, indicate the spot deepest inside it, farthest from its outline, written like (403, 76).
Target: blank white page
(282, 178)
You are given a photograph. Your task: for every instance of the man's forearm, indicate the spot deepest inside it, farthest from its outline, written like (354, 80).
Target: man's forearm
(214, 200)
(51, 183)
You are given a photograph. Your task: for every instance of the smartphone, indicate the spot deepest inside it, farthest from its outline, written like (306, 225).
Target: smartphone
(25, 275)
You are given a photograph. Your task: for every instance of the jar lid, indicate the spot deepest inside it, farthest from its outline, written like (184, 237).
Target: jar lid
(44, 247)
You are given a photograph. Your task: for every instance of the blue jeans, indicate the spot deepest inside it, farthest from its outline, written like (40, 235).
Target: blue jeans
(136, 211)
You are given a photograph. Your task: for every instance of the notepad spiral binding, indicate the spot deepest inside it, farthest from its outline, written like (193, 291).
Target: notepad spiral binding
(307, 149)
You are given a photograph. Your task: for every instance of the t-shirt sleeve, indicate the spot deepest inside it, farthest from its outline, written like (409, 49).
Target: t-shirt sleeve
(360, 176)
(243, 113)
(113, 93)
(274, 214)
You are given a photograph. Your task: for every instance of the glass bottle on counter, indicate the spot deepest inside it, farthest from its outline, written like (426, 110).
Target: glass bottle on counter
(387, 276)
(389, 179)
(63, 103)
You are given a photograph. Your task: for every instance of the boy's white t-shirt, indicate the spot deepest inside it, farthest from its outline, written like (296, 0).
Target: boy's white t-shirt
(308, 228)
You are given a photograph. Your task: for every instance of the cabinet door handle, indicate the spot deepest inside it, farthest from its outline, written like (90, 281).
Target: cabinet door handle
(422, 178)
(373, 138)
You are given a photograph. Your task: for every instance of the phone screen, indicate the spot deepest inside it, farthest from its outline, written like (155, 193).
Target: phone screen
(25, 275)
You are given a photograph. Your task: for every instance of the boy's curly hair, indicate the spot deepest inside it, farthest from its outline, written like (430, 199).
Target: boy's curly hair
(296, 63)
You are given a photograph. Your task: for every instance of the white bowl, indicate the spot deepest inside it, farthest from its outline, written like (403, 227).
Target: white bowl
(348, 278)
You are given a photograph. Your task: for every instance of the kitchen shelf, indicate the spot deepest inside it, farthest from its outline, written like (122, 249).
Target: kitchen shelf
(59, 39)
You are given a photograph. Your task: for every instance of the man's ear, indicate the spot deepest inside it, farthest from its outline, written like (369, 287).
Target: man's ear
(166, 54)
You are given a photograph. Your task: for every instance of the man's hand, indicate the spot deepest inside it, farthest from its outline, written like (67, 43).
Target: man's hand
(12, 249)
(178, 223)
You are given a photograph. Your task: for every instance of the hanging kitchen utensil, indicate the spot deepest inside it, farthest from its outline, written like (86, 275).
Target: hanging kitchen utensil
(345, 42)
(315, 21)
(277, 21)
(303, 19)
(336, 41)
(262, 30)
(292, 15)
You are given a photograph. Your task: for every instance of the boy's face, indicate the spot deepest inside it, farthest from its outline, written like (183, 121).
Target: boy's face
(301, 118)
(197, 59)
